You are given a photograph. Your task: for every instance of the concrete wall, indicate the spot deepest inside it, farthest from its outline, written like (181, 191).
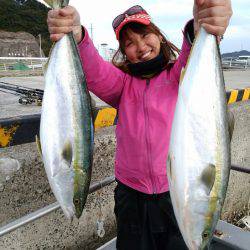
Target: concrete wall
(238, 193)
(28, 190)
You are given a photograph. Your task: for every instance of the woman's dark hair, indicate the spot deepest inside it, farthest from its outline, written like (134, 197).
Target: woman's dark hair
(169, 50)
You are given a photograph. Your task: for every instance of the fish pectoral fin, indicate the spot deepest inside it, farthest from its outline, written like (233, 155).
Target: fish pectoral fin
(208, 177)
(67, 153)
(38, 144)
(231, 122)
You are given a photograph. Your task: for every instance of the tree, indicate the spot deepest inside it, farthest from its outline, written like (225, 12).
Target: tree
(21, 2)
(26, 15)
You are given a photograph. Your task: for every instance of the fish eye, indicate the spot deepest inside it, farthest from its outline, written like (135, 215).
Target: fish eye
(205, 235)
(76, 201)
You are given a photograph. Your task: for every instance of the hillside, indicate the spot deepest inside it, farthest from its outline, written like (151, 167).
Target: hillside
(236, 54)
(18, 44)
(28, 16)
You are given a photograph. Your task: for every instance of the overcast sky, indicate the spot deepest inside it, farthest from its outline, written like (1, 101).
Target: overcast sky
(169, 15)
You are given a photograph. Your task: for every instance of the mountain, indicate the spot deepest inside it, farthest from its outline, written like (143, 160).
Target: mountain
(26, 16)
(236, 54)
(30, 16)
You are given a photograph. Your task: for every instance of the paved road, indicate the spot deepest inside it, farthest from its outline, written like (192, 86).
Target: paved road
(237, 79)
(32, 177)
(9, 105)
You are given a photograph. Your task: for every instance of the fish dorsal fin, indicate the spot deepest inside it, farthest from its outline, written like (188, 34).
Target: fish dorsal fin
(67, 153)
(231, 122)
(38, 144)
(208, 177)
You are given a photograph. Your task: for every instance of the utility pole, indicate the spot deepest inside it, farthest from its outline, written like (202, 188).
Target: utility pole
(40, 44)
(91, 32)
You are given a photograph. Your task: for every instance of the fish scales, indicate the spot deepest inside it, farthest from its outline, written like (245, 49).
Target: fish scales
(199, 154)
(66, 129)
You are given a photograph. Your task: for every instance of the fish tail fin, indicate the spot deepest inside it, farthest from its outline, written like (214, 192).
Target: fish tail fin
(57, 3)
(50, 3)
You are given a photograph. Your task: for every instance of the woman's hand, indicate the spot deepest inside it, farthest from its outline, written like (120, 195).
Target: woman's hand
(212, 15)
(63, 21)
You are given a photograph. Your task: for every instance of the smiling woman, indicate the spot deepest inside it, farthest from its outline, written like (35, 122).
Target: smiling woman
(144, 87)
(139, 45)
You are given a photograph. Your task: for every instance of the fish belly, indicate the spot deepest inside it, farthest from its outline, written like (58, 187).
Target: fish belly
(62, 125)
(199, 142)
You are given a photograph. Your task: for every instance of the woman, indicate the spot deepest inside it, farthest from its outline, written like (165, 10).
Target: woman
(142, 83)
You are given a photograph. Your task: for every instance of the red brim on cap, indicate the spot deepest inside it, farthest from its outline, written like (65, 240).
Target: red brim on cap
(137, 18)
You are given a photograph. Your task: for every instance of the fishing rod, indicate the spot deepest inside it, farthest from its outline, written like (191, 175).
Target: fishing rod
(21, 87)
(22, 99)
(27, 95)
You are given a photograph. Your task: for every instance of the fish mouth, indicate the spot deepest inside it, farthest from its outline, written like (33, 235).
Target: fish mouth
(78, 207)
(79, 203)
(81, 190)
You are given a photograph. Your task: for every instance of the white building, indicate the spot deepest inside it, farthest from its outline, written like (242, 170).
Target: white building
(106, 52)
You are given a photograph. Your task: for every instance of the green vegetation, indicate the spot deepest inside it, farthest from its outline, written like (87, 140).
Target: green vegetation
(29, 16)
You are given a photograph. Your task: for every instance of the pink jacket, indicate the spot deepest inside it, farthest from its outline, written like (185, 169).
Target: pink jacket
(146, 109)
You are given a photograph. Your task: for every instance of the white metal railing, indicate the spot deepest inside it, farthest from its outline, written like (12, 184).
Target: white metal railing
(31, 63)
(231, 63)
(48, 209)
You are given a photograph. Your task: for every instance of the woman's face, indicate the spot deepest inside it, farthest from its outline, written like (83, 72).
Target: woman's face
(141, 47)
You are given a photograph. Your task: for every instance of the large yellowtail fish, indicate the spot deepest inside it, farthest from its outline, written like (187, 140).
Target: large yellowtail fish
(66, 129)
(198, 163)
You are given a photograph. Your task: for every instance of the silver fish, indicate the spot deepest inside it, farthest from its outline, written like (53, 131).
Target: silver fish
(198, 163)
(66, 129)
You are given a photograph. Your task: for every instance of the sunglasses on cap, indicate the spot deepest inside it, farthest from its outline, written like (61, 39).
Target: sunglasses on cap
(130, 12)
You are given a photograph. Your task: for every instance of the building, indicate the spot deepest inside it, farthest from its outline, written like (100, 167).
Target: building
(106, 52)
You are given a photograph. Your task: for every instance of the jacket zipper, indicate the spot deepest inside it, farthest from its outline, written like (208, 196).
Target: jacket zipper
(149, 156)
